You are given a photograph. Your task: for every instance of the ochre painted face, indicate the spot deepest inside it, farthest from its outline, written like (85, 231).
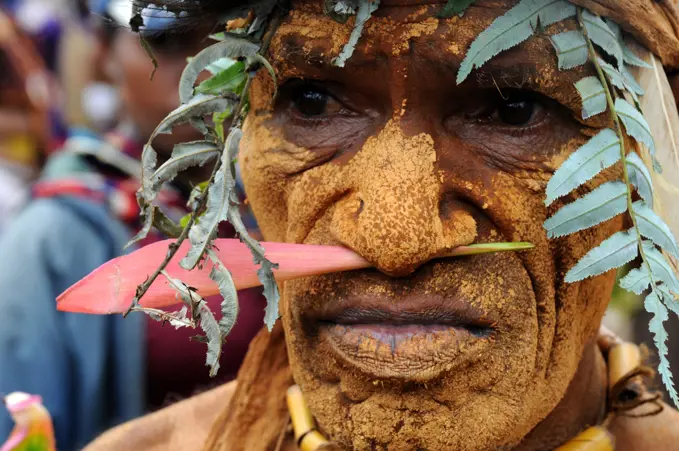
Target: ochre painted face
(393, 160)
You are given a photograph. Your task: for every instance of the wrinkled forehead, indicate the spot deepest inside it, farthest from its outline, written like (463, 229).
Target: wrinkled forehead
(398, 29)
(406, 42)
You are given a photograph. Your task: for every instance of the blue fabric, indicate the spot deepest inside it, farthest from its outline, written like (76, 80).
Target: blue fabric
(89, 369)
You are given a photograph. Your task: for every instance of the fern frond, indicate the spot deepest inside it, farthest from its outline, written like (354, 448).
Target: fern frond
(601, 35)
(602, 204)
(654, 305)
(593, 96)
(654, 228)
(635, 124)
(511, 29)
(639, 177)
(614, 252)
(571, 49)
(597, 154)
(637, 280)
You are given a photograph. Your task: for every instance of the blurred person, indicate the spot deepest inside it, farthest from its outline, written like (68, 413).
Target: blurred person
(93, 372)
(25, 99)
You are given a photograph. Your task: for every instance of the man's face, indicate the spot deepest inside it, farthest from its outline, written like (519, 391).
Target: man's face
(393, 160)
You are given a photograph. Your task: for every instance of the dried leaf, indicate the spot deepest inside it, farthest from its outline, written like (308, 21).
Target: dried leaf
(199, 106)
(184, 156)
(219, 195)
(227, 289)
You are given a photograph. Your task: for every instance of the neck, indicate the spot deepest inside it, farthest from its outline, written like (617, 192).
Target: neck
(582, 406)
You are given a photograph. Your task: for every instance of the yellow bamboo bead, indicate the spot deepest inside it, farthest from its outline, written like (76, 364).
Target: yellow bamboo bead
(622, 359)
(592, 439)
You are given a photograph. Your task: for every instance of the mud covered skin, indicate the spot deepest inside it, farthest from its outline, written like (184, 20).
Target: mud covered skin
(388, 157)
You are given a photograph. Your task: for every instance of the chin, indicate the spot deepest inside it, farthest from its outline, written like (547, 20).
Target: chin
(426, 361)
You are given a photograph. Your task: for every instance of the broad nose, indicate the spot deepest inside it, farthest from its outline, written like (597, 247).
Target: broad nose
(393, 214)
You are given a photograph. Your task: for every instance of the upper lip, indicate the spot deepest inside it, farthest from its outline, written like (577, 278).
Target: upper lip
(421, 309)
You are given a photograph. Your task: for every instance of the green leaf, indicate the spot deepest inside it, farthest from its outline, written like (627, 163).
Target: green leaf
(227, 289)
(454, 7)
(654, 305)
(637, 280)
(593, 96)
(597, 154)
(230, 47)
(220, 65)
(231, 79)
(631, 82)
(654, 228)
(219, 197)
(602, 204)
(571, 49)
(511, 29)
(619, 80)
(614, 252)
(635, 124)
(599, 32)
(184, 156)
(628, 55)
(640, 177)
(660, 268)
(199, 106)
(365, 10)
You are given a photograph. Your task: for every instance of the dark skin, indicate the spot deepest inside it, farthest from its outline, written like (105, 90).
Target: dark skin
(389, 158)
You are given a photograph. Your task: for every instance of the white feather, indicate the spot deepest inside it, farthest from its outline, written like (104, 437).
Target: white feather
(659, 108)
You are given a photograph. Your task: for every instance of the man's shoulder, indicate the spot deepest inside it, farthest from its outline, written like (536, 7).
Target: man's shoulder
(654, 432)
(182, 426)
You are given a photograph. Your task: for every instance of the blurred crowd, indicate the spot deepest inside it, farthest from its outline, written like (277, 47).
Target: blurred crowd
(76, 105)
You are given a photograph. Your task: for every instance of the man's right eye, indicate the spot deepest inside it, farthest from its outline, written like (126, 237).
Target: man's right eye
(312, 101)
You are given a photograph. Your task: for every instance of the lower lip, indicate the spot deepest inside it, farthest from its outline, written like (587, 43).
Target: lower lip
(414, 352)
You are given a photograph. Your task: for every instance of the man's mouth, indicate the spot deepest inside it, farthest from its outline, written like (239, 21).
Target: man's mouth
(414, 338)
